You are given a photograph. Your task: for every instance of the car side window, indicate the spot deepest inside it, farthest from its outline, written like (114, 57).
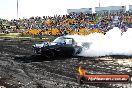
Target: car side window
(68, 41)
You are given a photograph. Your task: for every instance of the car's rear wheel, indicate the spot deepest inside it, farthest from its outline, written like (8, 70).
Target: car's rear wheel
(49, 54)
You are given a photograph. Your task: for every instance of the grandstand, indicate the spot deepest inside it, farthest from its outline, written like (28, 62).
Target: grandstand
(110, 9)
(130, 8)
(82, 10)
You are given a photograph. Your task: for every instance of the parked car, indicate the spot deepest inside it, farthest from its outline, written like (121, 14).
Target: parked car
(61, 46)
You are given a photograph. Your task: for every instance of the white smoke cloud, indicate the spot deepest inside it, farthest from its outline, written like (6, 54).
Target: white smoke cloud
(112, 43)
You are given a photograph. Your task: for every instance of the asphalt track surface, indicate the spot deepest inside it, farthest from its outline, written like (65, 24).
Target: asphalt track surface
(21, 68)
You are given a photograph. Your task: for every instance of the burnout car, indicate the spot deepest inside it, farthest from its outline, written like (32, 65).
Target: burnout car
(61, 46)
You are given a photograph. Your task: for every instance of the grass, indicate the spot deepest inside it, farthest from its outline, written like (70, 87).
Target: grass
(17, 36)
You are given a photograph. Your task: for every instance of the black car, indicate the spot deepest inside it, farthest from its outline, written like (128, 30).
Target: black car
(61, 46)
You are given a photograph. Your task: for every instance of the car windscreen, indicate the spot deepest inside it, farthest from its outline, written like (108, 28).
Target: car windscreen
(59, 40)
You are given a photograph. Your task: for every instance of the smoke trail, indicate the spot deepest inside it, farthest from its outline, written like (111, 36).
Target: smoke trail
(112, 43)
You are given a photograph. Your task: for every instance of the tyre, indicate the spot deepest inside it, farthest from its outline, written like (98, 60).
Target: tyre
(79, 51)
(49, 54)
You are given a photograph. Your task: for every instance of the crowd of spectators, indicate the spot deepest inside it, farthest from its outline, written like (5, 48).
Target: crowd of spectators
(75, 21)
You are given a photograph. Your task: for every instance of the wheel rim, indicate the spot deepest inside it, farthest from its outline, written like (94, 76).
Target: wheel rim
(49, 54)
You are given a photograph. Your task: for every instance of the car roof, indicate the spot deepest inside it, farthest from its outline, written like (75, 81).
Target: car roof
(65, 37)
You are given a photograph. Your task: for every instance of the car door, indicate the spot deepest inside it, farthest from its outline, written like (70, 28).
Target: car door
(67, 47)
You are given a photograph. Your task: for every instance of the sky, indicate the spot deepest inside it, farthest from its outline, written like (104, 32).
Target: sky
(29, 8)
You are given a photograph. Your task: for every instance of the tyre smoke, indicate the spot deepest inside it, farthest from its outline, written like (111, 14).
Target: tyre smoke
(114, 42)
